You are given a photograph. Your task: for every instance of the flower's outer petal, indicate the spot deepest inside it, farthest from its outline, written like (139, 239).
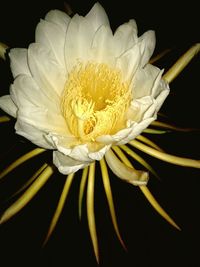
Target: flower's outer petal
(63, 143)
(138, 108)
(144, 111)
(32, 133)
(114, 139)
(78, 41)
(34, 107)
(7, 104)
(46, 71)
(58, 17)
(80, 34)
(98, 155)
(128, 62)
(69, 146)
(125, 37)
(147, 45)
(146, 81)
(136, 129)
(18, 61)
(102, 46)
(66, 164)
(53, 36)
(82, 153)
(164, 92)
(97, 16)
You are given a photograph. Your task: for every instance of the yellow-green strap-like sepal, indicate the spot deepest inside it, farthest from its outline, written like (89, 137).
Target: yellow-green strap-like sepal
(29, 182)
(135, 156)
(21, 160)
(181, 63)
(159, 56)
(186, 162)
(81, 190)
(4, 119)
(157, 206)
(60, 206)
(90, 209)
(154, 131)
(28, 194)
(108, 191)
(147, 141)
(168, 126)
(149, 196)
(3, 48)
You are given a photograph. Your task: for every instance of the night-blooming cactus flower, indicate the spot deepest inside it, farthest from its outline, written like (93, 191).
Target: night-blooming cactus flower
(85, 92)
(80, 89)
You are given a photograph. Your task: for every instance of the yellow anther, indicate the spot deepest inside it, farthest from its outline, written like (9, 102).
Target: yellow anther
(95, 100)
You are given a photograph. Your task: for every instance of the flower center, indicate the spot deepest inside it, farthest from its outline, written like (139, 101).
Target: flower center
(95, 100)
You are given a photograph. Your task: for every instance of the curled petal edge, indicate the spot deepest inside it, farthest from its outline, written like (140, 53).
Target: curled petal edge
(124, 172)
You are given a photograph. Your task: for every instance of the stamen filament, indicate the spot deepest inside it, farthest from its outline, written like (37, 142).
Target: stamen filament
(28, 194)
(181, 63)
(90, 209)
(108, 191)
(21, 160)
(81, 190)
(124, 172)
(186, 162)
(60, 206)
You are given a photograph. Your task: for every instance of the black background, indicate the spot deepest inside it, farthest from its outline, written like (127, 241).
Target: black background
(150, 240)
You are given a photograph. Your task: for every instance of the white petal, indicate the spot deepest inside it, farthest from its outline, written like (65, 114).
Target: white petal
(82, 153)
(124, 172)
(52, 36)
(136, 130)
(162, 96)
(32, 133)
(63, 143)
(97, 16)
(113, 139)
(125, 37)
(145, 81)
(58, 17)
(69, 146)
(7, 104)
(98, 155)
(18, 61)
(128, 62)
(34, 107)
(147, 45)
(46, 71)
(159, 85)
(102, 46)
(67, 165)
(138, 108)
(78, 41)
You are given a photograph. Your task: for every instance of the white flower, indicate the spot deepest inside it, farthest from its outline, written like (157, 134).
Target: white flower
(79, 89)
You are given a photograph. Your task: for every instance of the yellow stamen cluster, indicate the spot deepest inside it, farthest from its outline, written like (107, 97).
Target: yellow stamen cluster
(95, 100)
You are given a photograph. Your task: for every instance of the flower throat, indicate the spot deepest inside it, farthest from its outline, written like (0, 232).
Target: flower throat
(95, 100)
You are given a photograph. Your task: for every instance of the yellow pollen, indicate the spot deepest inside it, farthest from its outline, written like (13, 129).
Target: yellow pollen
(95, 100)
